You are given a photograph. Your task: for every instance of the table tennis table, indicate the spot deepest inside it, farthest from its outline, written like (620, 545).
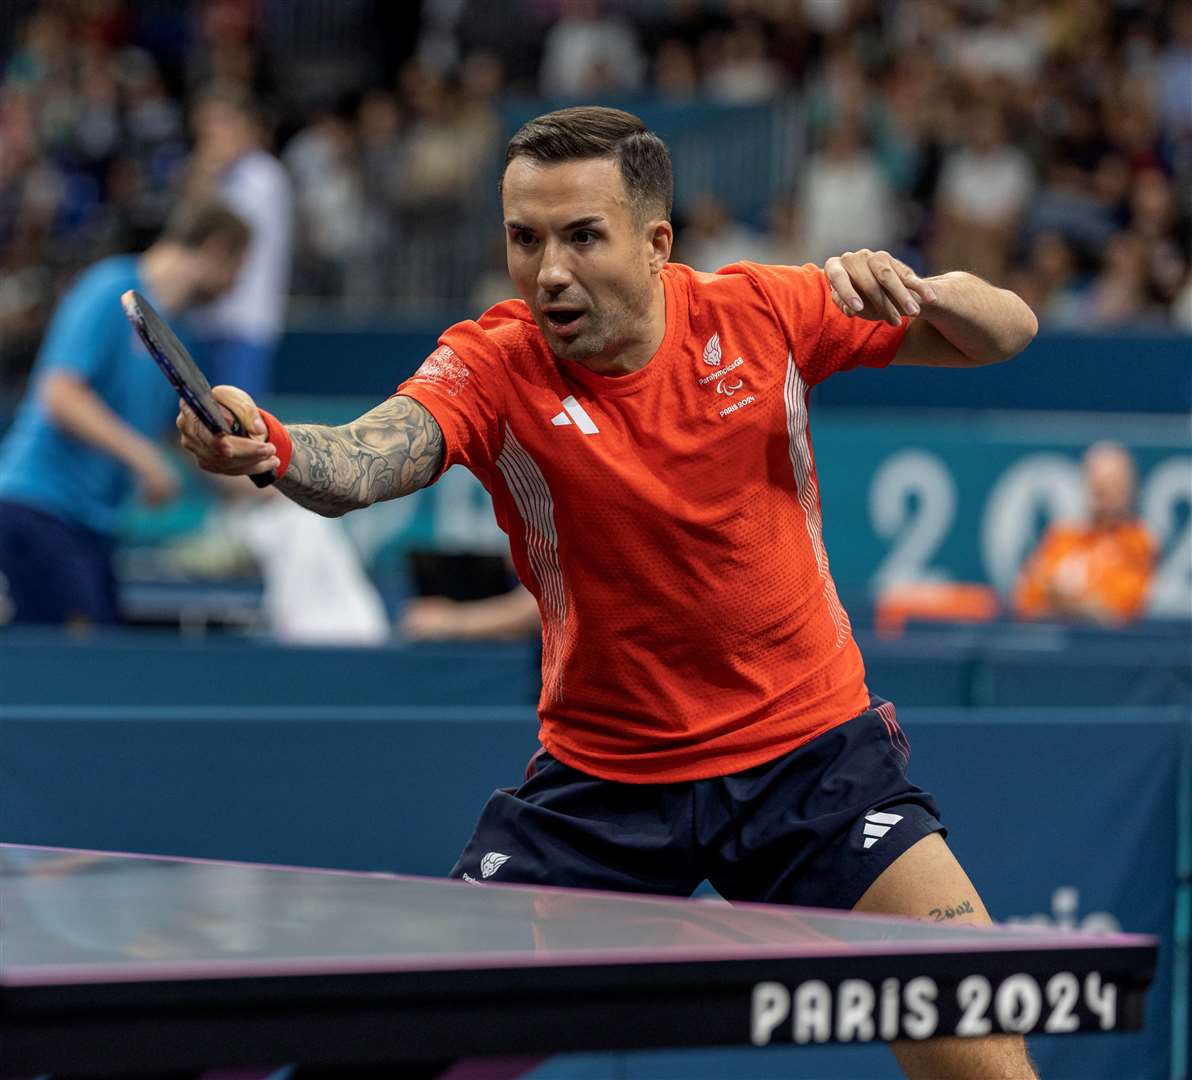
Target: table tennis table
(115, 964)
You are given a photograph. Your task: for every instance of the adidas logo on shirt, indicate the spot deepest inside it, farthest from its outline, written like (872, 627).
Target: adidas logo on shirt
(877, 824)
(574, 411)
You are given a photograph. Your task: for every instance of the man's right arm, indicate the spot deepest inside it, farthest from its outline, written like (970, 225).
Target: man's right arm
(390, 451)
(74, 407)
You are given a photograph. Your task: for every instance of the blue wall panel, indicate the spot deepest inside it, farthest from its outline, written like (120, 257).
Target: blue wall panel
(1058, 815)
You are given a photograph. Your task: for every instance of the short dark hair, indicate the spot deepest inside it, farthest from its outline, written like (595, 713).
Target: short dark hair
(193, 223)
(592, 131)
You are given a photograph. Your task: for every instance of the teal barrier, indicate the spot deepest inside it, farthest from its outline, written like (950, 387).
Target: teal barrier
(1067, 817)
(907, 496)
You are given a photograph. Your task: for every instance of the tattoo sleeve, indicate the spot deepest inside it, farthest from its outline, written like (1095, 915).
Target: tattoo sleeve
(390, 451)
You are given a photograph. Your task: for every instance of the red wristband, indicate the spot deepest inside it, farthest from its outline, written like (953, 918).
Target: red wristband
(276, 433)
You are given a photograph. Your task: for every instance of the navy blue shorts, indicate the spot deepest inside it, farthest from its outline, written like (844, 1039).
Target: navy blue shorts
(815, 827)
(52, 570)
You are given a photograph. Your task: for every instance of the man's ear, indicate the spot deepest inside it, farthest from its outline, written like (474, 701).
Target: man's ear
(662, 237)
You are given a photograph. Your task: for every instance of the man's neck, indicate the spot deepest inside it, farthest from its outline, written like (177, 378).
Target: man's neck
(157, 268)
(635, 354)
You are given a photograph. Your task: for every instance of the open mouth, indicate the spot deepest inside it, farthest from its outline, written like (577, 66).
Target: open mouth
(564, 321)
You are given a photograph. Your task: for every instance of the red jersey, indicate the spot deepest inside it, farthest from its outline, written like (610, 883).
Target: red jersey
(668, 521)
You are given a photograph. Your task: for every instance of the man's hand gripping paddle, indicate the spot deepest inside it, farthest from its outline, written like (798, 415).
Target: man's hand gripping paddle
(184, 374)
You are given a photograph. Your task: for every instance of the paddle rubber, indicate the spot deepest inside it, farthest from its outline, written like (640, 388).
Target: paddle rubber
(184, 374)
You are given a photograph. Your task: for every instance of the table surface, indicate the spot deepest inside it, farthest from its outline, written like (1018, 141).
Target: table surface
(98, 945)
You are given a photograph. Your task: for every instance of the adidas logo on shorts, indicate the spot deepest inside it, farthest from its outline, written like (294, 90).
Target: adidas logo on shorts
(877, 824)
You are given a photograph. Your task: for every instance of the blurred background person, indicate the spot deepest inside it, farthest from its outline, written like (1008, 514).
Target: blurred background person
(328, 178)
(315, 589)
(87, 434)
(744, 72)
(449, 142)
(590, 51)
(712, 238)
(1097, 570)
(509, 616)
(984, 190)
(845, 201)
(300, 602)
(1175, 81)
(1051, 281)
(1120, 295)
(231, 161)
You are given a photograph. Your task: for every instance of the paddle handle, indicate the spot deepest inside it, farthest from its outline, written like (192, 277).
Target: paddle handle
(262, 480)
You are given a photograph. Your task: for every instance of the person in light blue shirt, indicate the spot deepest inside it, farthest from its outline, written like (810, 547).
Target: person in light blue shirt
(87, 435)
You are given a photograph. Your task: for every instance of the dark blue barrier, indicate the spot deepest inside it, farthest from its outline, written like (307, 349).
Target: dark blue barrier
(1059, 372)
(1064, 816)
(157, 669)
(960, 666)
(369, 358)
(1032, 664)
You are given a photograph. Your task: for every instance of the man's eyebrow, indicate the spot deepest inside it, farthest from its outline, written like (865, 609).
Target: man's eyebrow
(578, 223)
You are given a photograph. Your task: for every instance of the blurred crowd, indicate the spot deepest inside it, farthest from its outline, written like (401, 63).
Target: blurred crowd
(1046, 146)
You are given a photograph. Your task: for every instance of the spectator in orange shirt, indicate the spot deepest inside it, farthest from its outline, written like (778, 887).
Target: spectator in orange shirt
(1097, 571)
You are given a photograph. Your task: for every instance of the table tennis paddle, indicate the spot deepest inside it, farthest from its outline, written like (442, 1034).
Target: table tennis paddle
(184, 374)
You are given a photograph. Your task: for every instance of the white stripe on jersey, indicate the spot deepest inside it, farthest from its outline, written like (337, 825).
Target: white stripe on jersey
(795, 393)
(532, 496)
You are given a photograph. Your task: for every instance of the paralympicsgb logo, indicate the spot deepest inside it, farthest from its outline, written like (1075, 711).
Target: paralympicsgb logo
(712, 352)
(726, 385)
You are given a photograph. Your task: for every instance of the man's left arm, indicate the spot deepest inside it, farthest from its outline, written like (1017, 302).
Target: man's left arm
(957, 320)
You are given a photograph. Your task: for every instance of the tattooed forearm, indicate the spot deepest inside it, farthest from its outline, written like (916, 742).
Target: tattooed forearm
(392, 450)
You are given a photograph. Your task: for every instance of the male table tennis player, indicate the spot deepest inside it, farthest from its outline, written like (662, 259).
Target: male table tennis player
(643, 432)
(86, 434)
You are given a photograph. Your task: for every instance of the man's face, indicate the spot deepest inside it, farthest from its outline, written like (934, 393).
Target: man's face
(580, 257)
(1109, 478)
(222, 132)
(214, 266)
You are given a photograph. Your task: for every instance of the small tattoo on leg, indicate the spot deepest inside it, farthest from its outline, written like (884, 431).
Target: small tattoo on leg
(965, 907)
